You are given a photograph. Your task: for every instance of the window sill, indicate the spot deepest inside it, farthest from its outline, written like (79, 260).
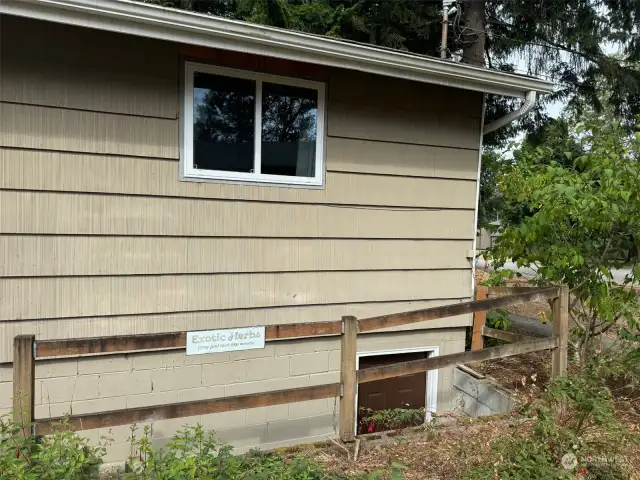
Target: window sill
(256, 181)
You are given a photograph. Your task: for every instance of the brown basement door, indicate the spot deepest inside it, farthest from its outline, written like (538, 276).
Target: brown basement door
(399, 392)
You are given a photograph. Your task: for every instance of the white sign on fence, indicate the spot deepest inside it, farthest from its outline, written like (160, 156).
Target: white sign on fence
(227, 340)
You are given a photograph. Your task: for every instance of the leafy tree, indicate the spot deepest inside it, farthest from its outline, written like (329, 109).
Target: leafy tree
(556, 136)
(582, 221)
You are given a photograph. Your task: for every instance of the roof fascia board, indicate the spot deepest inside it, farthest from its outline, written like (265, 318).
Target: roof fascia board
(208, 31)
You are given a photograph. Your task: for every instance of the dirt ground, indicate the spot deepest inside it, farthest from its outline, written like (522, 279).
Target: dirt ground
(431, 453)
(444, 452)
(440, 453)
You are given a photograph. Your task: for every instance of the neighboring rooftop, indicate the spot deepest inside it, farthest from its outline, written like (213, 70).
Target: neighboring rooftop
(136, 18)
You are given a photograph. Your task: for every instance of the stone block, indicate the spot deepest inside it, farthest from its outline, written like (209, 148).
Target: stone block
(311, 408)
(267, 414)
(57, 368)
(149, 399)
(267, 368)
(201, 393)
(83, 387)
(309, 363)
(224, 420)
(124, 384)
(180, 378)
(106, 364)
(224, 373)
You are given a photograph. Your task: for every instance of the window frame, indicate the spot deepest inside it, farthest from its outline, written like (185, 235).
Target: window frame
(188, 172)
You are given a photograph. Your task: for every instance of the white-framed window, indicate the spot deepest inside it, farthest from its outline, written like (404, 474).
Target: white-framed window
(243, 126)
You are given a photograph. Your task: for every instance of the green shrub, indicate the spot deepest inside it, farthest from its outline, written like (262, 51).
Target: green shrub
(575, 416)
(498, 319)
(61, 455)
(194, 453)
(392, 418)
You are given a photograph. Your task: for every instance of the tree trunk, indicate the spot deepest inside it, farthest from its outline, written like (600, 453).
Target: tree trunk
(473, 36)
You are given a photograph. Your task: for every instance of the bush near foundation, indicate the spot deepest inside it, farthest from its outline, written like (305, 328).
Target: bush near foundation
(194, 453)
(61, 455)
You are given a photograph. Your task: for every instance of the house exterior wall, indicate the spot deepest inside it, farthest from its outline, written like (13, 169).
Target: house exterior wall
(99, 237)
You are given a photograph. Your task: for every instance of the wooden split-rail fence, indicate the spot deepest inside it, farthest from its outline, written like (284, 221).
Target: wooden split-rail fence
(27, 351)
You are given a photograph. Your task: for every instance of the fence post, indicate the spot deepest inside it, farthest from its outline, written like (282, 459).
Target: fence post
(348, 380)
(23, 381)
(479, 320)
(560, 312)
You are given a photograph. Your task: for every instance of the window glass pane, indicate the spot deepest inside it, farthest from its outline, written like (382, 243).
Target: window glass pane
(289, 128)
(223, 123)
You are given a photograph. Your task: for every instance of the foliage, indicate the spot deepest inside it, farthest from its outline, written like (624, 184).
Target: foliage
(574, 416)
(391, 418)
(194, 453)
(61, 455)
(498, 319)
(499, 278)
(582, 221)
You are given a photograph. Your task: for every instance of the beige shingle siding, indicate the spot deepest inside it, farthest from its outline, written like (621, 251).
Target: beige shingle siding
(50, 128)
(382, 109)
(87, 69)
(87, 87)
(71, 172)
(31, 255)
(409, 160)
(51, 297)
(87, 214)
(101, 237)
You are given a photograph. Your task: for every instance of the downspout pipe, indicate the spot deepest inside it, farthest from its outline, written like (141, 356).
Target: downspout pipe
(529, 102)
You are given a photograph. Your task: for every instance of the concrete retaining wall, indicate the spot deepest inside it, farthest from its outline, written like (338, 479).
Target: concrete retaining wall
(478, 397)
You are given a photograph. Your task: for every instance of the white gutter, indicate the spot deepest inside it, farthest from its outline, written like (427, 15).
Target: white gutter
(137, 18)
(527, 105)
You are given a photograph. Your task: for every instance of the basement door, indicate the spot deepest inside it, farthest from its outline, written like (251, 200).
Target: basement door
(409, 391)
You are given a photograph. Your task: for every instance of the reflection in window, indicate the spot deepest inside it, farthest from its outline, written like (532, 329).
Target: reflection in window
(245, 126)
(289, 127)
(223, 123)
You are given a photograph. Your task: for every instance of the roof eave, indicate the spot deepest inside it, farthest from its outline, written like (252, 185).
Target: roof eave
(151, 21)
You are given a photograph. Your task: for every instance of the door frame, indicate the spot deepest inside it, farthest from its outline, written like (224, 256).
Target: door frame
(431, 390)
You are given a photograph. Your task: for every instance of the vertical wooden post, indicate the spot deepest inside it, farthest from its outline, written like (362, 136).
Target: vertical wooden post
(560, 307)
(348, 380)
(479, 320)
(23, 381)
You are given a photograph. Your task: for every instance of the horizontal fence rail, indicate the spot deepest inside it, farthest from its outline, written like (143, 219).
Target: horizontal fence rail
(27, 350)
(504, 336)
(166, 341)
(398, 319)
(374, 374)
(189, 409)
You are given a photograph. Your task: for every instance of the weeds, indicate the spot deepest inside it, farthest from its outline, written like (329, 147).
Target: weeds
(61, 455)
(390, 419)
